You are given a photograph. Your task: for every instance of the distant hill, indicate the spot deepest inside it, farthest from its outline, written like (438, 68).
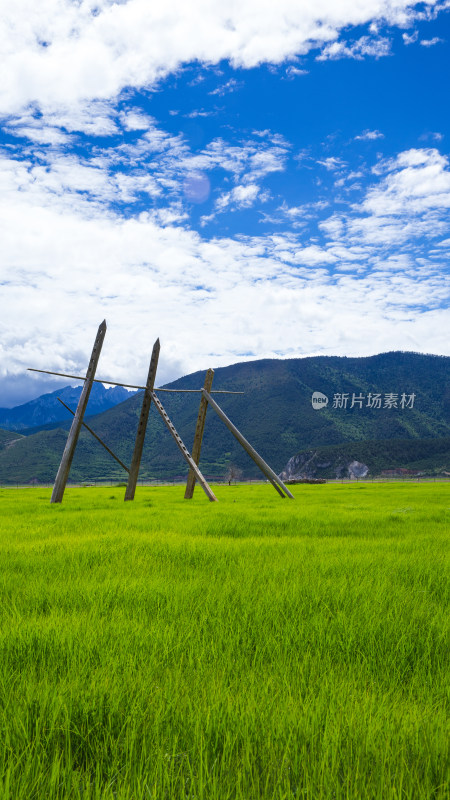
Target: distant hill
(275, 414)
(7, 438)
(47, 410)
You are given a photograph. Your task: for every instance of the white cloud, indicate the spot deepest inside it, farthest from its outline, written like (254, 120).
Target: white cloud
(368, 135)
(242, 196)
(365, 46)
(406, 203)
(262, 162)
(135, 120)
(153, 164)
(410, 38)
(431, 42)
(314, 255)
(60, 53)
(55, 126)
(332, 163)
(69, 258)
(93, 117)
(39, 134)
(68, 262)
(72, 183)
(247, 162)
(230, 86)
(418, 180)
(200, 113)
(390, 231)
(293, 72)
(296, 216)
(435, 136)
(333, 226)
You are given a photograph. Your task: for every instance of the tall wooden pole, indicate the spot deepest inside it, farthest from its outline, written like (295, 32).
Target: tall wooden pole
(200, 427)
(142, 427)
(268, 472)
(66, 461)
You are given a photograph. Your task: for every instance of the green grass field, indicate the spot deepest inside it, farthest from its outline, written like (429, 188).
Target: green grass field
(253, 648)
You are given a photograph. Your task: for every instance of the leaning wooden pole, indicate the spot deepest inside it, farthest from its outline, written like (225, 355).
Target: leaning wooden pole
(69, 450)
(200, 427)
(142, 427)
(183, 449)
(265, 469)
(96, 437)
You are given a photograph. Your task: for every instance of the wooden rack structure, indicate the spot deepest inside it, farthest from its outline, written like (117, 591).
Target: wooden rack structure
(149, 396)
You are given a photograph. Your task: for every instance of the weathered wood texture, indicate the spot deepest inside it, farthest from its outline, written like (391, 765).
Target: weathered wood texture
(200, 427)
(265, 469)
(95, 436)
(142, 427)
(66, 461)
(184, 451)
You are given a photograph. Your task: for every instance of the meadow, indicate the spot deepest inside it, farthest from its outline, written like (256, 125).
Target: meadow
(250, 649)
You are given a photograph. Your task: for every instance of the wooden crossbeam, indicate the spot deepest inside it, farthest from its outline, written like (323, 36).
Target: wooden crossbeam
(69, 450)
(129, 385)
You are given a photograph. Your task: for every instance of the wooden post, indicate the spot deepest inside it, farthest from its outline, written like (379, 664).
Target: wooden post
(200, 427)
(66, 461)
(184, 451)
(268, 472)
(96, 437)
(142, 427)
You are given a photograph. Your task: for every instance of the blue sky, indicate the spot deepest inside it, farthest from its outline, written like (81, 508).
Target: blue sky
(249, 181)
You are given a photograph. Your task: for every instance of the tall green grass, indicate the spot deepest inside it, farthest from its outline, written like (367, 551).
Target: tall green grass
(251, 649)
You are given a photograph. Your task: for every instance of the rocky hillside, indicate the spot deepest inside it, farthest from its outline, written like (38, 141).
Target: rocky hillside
(369, 459)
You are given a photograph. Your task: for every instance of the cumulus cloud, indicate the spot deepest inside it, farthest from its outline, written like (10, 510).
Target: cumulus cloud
(296, 216)
(135, 120)
(410, 38)
(92, 229)
(240, 197)
(200, 112)
(152, 165)
(365, 46)
(431, 42)
(406, 204)
(332, 163)
(293, 72)
(435, 136)
(230, 86)
(150, 275)
(369, 136)
(60, 53)
(418, 180)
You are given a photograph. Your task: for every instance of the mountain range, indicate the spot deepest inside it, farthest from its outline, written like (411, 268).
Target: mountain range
(47, 410)
(400, 396)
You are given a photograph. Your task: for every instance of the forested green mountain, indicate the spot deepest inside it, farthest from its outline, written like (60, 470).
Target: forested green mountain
(275, 414)
(7, 438)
